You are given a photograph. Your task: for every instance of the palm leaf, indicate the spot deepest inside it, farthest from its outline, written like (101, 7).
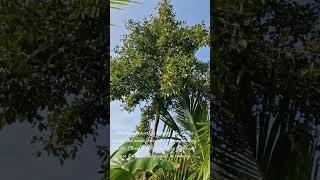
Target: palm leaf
(192, 115)
(116, 4)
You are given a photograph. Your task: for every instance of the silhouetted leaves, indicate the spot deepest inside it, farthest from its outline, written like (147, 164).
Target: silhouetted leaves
(265, 105)
(54, 70)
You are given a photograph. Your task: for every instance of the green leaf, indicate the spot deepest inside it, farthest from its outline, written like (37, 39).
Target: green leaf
(125, 150)
(117, 174)
(148, 164)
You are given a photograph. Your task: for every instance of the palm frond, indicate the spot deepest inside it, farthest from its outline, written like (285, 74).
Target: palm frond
(117, 4)
(192, 114)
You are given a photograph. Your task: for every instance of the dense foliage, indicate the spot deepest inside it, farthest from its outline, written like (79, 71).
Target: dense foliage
(53, 70)
(265, 87)
(156, 68)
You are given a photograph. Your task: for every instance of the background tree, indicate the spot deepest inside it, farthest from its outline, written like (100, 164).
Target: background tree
(54, 70)
(264, 80)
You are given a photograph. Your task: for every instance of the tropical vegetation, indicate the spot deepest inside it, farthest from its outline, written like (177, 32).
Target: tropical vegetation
(156, 68)
(265, 89)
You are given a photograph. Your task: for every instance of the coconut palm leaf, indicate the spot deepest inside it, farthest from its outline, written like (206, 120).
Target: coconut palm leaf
(191, 115)
(116, 4)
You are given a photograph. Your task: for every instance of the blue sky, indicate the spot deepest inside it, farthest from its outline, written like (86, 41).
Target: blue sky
(122, 124)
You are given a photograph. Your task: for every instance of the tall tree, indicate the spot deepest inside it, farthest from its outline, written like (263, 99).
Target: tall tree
(156, 59)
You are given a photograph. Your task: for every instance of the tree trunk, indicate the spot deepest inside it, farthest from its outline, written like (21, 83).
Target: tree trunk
(154, 134)
(152, 140)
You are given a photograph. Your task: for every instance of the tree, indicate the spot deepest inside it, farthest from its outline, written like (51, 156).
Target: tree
(264, 81)
(155, 61)
(54, 70)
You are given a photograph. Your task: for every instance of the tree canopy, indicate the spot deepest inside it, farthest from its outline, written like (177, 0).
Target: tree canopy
(156, 58)
(156, 62)
(54, 70)
(265, 85)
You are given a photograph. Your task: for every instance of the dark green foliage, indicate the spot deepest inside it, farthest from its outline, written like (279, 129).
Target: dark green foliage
(164, 49)
(265, 85)
(54, 70)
